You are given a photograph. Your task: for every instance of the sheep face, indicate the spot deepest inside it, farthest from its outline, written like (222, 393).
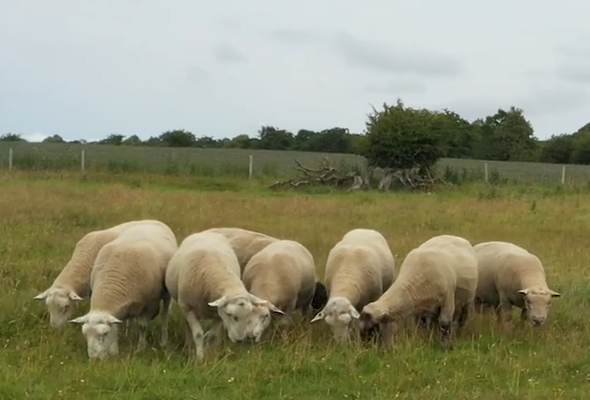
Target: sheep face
(537, 301)
(101, 332)
(60, 304)
(235, 312)
(338, 314)
(260, 319)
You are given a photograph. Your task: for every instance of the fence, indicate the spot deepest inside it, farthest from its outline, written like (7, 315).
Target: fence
(240, 162)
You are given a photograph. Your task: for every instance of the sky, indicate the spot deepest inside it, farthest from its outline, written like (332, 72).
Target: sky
(85, 69)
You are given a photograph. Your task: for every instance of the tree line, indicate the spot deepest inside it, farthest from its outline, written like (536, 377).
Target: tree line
(392, 135)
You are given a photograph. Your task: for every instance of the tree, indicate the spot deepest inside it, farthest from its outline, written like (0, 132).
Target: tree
(12, 137)
(456, 132)
(403, 139)
(53, 139)
(133, 140)
(114, 139)
(272, 138)
(178, 138)
(240, 142)
(506, 136)
(558, 149)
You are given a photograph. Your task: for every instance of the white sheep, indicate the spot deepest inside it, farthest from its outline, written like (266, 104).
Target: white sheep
(512, 276)
(127, 282)
(359, 268)
(284, 274)
(73, 282)
(245, 243)
(439, 278)
(203, 277)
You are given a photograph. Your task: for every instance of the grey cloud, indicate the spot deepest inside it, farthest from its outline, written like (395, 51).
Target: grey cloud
(574, 65)
(554, 100)
(389, 59)
(539, 102)
(374, 56)
(393, 87)
(293, 36)
(227, 54)
(196, 74)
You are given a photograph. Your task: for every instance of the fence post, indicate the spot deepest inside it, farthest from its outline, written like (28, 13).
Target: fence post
(10, 159)
(563, 175)
(250, 166)
(485, 171)
(82, 160)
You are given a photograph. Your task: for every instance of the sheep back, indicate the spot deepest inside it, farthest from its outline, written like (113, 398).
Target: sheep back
(128, 274)
(283, 273)
(203, 269)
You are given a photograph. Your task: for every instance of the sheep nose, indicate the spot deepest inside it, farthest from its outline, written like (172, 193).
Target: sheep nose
(538, 320)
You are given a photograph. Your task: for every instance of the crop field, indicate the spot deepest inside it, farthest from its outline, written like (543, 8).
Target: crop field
(44, 214)
(268, 164)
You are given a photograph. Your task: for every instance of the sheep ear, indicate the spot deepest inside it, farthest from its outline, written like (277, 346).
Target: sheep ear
(353, 312)
(523, 291)
(257, 301)
(74, 296)
(80, 320)
(114, 320)
(554, 293)
(42, 295)
(319, 316)
(219, 302)
(274, 308)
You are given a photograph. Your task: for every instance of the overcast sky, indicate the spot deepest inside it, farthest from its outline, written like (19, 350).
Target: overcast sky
(85, 69)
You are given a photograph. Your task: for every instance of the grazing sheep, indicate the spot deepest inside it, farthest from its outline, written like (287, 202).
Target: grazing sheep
(360, 267)
(127, 282)
(439, 278)
(73, 282)
(204, 276)
(511, 276)
(245, 243)
(284, 274)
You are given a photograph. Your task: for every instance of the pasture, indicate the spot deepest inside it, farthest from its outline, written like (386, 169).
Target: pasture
(43, 215)
(267, 164)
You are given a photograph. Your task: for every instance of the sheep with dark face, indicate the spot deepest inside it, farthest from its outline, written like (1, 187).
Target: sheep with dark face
(439, 278)
(511, 276)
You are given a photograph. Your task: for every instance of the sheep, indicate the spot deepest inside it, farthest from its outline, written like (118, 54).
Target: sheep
(127, 282)
(73, 282)
(245, 243)
(359, 268)
(438, 278)
(284, 274)
(204, 276)
(512, 276)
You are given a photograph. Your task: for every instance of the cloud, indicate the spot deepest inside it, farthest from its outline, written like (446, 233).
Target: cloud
(35, 137)
(395, 87)
(375, 55)
(574, 61)
(228, 54)
(388, 58)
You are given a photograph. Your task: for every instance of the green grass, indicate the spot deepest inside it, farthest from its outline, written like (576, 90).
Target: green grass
(43, 214)
(266, 163)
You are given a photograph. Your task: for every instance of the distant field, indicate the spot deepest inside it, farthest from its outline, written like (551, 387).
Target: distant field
(234, 162)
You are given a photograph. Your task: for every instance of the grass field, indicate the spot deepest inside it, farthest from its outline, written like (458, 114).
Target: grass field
(267, 164)
(44, 214)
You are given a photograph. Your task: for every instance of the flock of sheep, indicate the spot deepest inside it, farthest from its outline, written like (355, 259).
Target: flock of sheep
(240, 278)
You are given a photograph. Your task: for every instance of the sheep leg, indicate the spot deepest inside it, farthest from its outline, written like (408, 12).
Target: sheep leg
(143, 328)
(463, 315)
(445, 321)
(197, 333)
(504, 311)
(166, 299)
(213, 335)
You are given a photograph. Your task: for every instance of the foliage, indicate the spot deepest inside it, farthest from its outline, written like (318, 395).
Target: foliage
(12, 137)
